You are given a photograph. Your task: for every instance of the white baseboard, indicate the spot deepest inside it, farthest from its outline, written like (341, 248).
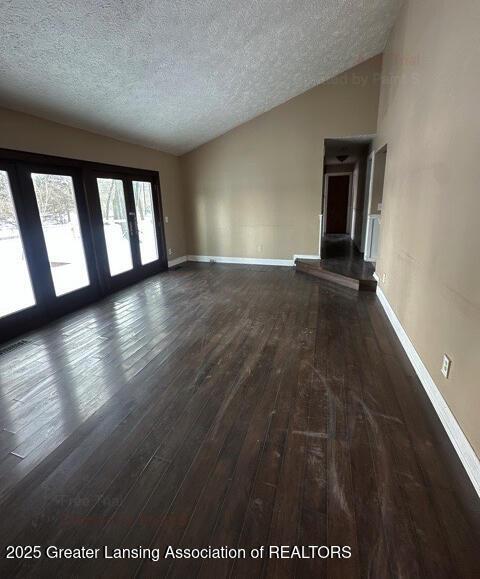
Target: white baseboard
(177, 261)
(248, 260)
(241, 260)
(460, 442)
(375, 277)
(299, 256)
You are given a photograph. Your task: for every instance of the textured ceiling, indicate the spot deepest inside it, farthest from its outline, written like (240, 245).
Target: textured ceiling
(173, 74)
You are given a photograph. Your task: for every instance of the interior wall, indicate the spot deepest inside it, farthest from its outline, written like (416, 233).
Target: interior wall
(28, 133)
(378, 181)
(256, 191)
(368, 171)
(430, 238)
(361, 199)
(345, 168)
(353, 202)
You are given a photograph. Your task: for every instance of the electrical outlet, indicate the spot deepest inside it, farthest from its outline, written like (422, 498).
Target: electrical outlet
(259, 248)
(166, 218)
(170, 251)
(446, 365)
(384, 277)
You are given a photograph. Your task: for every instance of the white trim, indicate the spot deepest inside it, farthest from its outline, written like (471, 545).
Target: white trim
(366, 201)
(352, 211)
(373, 220)
(371, 157)
(320, 235)
(325, 196)
(370, 185)
(177, 261)
(375, 277)
(305, 257)
(240, 260)
(467, 455)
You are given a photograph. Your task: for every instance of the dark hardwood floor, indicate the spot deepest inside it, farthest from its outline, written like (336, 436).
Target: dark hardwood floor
(340, 255)
(229, 406)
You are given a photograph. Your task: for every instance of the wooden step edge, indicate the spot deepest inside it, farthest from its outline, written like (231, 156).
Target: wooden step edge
(367, 285)
(338, 278)
(330, 276)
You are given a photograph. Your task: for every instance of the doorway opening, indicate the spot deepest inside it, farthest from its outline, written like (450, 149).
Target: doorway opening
(350, 222)
(338, 188)
(377, 161)
(344, 195)
(342, 219)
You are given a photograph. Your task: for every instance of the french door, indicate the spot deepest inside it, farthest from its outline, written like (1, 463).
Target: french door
(46, 251)
(70, 233)
(129, 236)
(18, 294)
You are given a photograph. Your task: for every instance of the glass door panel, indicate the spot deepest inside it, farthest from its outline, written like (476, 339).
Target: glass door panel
(58, 211)
(16, 291)
(71, 232)
(115, 225)
(142, 193)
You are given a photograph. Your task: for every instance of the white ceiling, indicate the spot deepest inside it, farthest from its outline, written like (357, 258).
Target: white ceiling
(173, 74)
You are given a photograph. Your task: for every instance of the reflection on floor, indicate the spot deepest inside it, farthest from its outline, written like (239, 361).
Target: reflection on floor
(229, 405)
(340, 255)
(341, 263)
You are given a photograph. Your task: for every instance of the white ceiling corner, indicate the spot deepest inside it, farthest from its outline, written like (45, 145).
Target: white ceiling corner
(174, 74)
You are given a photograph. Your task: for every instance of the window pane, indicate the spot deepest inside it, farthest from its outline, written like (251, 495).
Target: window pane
(61, 229)
(115, 225)
(15, 287)
(142, 192)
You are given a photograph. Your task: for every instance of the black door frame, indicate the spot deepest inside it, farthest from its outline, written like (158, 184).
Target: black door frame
(139, 271)
(21, 321)
(57, 305)
(18, 165)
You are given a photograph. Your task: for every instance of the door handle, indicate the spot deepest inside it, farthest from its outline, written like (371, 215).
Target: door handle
(132, 223)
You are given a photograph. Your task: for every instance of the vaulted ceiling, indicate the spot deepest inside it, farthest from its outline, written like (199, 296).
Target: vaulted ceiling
(173, 74)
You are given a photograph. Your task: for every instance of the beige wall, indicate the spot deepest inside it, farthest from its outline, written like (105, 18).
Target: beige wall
(430, 240)
(345, 168)
(256, 191)
(28, 133)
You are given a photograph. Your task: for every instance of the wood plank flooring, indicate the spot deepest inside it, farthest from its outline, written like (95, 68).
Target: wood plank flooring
(340, 255)
(320, 269)
(341, 263)
(230, 406)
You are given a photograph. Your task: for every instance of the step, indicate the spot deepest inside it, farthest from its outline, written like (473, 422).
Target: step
(320, 272)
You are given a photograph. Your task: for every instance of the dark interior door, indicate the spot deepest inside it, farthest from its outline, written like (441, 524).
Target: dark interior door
(337, 203)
